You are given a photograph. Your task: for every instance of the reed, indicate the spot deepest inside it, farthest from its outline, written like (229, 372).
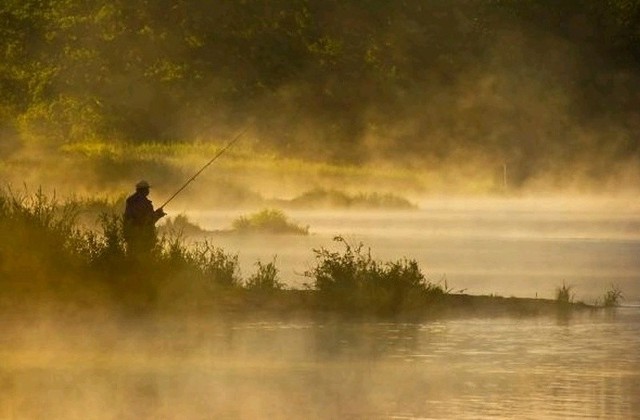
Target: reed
(564, 295)
(266, 277)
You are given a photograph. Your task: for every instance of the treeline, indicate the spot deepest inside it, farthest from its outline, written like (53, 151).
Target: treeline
(531, 82)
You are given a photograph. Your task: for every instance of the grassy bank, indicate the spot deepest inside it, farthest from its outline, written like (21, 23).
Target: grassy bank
(244, 171)
(47, 257)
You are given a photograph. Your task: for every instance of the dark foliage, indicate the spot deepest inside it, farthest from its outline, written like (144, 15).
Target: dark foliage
(353, 281)
(43, 253)
(507, 80)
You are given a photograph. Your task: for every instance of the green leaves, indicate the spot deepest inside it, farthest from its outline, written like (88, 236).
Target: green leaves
(503, 80)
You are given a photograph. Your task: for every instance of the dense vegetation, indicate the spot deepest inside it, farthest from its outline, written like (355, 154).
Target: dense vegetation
(545, 86)
(355, 281)
(45, 256)
(50, 258)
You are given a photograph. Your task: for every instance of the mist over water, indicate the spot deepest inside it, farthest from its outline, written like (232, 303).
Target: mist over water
(509, 100)
(71, 363)
(519, 247)
(247, 367)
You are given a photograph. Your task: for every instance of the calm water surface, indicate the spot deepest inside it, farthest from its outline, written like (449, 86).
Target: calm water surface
(584, 366)
(524, 248)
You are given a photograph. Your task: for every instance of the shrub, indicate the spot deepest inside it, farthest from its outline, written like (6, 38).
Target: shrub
(268, 221)
(386, 201)
(322, 198)
(612, 297)
(90, 210)
(354, 281)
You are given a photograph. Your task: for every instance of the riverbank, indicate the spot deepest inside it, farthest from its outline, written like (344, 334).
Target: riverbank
(286, 305)
(47, 260)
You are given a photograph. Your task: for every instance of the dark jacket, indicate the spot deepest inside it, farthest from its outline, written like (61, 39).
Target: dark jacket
(139, 221)
(139, 211)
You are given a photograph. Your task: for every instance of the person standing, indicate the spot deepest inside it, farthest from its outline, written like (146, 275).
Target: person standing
(139, 221)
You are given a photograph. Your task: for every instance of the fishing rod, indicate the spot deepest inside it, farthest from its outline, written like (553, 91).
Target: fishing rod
(190, 180)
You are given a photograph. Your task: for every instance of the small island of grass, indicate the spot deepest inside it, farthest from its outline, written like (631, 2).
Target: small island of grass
(272, 221)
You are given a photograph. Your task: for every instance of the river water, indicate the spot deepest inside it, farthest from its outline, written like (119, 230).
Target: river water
(508, 247)
(581, 365)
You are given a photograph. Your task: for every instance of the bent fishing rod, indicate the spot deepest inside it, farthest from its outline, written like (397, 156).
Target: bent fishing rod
(220, 152)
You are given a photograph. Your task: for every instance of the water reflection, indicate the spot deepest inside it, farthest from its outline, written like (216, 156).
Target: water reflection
(581, 366)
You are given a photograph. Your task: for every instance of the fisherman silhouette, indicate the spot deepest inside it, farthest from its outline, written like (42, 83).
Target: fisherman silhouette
(139, 222)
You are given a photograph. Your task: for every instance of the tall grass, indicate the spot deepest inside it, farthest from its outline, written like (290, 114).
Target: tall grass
(243, 161)
(265, 278)
(564, 295)
(44, 253)
(33, 221)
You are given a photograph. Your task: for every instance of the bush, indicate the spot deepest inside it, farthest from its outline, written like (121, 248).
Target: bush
(612, 297)
(268, 221)
(354, 281)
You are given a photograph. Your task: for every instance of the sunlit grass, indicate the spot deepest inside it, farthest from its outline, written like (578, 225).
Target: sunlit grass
(244, 159)
(141, 151)
(319, 197)
(247, 161)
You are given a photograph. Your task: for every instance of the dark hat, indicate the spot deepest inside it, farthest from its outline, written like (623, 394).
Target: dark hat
(142, 184)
